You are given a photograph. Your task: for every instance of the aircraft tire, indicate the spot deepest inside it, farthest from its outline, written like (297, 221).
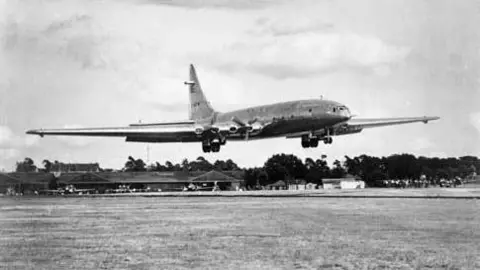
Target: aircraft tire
(206, 148)
(313, 143)
(215, 147)
(305, 142)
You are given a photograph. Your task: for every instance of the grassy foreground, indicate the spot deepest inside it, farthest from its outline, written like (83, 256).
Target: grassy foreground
(238, 233)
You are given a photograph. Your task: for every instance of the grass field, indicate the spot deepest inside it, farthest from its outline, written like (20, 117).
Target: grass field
(238, 233)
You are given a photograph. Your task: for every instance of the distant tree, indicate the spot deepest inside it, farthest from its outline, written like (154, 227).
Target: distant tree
(169, 166)
(47, 165)
(262, 177)
(135, 165)
(185, 165)
(338, 171)
(140, 165)
(201, 164)
(220, 165)
(231, 165)
(282, 167)
(27, 165)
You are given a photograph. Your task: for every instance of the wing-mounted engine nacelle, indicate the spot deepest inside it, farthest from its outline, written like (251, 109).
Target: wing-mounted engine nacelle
(229, 129)
(254, 128)
(199, 130)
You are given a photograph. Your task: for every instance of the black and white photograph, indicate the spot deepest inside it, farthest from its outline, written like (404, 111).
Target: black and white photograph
(239, 134)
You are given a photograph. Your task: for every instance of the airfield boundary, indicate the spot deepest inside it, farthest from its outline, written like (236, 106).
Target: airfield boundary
(427, 193)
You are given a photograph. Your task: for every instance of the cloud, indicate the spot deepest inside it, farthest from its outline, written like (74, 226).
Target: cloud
(265, 26)
(67, 24)
(224, 4)
(421, 143)
(9, 153)
(475, 120)
(6, 136)
(308, 54)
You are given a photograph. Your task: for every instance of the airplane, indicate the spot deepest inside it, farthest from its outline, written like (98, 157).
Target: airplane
(311, 120)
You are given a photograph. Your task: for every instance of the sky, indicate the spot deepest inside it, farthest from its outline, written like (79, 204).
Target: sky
(91, 63)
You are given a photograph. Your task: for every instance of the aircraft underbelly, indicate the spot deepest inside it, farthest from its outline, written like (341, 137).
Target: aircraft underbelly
(164, 137)
(294, 125)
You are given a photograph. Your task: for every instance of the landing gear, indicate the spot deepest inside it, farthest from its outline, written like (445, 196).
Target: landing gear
(212, 145)
(215, 147)
(206, 146)
(309, 142)
(305, 142)
(313, 141)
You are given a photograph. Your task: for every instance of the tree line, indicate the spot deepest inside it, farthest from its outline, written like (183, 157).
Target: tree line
(288, 167)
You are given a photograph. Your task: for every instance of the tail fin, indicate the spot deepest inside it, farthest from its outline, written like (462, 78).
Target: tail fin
(200, 108)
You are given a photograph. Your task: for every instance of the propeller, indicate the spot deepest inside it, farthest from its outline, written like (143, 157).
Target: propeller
(248, 127)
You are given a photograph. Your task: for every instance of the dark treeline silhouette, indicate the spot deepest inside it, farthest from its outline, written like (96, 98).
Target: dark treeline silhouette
(371, 169)
(288, 167)
(200, 164)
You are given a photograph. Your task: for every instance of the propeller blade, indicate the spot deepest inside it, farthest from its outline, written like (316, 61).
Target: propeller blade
(238, 121)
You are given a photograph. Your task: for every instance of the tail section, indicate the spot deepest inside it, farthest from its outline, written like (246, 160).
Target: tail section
(200, 108)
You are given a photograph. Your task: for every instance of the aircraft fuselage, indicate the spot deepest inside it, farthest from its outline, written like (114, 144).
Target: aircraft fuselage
(285, 118)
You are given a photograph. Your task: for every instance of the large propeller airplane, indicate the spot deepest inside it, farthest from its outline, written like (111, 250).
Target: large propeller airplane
(311, 120)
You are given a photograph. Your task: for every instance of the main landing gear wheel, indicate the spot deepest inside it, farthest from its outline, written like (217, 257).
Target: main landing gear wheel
(309, 142)
(206, 148)
(215, 147)
(211, 146)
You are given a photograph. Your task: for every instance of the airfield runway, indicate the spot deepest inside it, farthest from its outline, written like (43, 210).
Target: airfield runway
(239, 233)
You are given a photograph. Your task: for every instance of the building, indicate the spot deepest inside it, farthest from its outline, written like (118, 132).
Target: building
(154, 181)
(103, 181)
(342, 183)
(279, 185)
(25, 183)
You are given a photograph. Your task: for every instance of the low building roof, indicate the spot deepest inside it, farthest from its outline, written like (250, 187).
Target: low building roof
(144, 177)
(338, 180)
(279, 183)
(214, 176)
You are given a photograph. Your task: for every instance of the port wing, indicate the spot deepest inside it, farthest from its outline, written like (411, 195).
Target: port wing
(156, 132)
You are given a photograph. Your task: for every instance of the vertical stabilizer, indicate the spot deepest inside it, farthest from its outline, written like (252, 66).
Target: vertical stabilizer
(200, 108)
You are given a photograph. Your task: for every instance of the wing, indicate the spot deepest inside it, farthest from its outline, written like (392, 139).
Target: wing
(161, 132)
(381, 122)
(356, 125)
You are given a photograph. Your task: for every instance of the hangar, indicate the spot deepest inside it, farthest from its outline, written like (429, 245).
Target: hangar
(101, 181)
(164, 181)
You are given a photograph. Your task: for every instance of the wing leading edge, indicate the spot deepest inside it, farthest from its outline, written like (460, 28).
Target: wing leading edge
(381, 122)
(172, 132)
